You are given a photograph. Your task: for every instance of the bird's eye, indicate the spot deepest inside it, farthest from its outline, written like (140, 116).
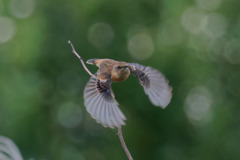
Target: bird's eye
(118, 67)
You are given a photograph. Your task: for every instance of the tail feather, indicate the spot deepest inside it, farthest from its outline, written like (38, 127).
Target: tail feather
(91, 61)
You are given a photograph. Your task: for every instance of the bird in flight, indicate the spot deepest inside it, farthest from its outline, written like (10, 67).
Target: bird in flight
(99, 98)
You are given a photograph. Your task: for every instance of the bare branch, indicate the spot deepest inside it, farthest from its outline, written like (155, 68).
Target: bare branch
(119, 128)
(123, 143)
(84, 66)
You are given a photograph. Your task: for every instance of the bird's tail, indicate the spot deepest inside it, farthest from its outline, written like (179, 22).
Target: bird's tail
(91, 61)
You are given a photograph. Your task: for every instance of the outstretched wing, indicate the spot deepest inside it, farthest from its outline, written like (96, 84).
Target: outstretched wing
(101, 104)
(9, 150)
(154, 83)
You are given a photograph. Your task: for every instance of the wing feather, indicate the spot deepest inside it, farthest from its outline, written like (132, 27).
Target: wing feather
(101, 104)
(108, 120)
(154, 83)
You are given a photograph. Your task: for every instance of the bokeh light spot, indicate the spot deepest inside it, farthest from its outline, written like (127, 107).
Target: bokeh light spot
(215, 49)
(141, 46)
(22, 8)
(69, 115)
(198, 105)
(170, 33)
(194, 20)
(101, 35)
(231, 52)
(216, 25)
(209, 4)
(7, 29)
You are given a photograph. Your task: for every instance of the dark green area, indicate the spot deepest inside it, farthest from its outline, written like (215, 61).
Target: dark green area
(195, 44)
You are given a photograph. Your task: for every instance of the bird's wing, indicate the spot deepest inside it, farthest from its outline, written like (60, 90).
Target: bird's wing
(101, 104)
(9, 150)
(154, 83)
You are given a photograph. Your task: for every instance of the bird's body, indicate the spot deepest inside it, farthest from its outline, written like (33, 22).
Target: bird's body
(100, 99)
(118, 71)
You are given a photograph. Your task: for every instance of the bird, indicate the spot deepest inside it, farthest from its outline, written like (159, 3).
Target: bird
(98, 95)
(99, 98)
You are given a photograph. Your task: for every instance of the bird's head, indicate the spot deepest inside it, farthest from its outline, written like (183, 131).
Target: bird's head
(120, 71)
(121, 67)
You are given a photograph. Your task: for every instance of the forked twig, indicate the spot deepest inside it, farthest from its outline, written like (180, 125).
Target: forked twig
(74, 51)
(119, 128)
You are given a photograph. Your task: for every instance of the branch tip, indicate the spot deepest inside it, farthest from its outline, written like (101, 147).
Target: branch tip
(83, 64)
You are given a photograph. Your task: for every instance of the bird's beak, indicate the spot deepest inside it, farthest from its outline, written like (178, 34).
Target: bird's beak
(125, 66)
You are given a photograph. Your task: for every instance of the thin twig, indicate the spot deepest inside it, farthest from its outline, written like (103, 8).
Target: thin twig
(123, 143)
(119, 128)
(84, 66)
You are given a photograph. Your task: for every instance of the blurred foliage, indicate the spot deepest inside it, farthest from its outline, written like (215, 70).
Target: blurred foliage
(195, 44)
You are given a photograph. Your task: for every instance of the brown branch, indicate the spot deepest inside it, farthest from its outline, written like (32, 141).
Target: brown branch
(123, 143)
(84, 66)
(119, 128)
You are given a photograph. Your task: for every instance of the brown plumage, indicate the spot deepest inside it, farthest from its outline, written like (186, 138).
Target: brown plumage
(99, 97)
(118, 71)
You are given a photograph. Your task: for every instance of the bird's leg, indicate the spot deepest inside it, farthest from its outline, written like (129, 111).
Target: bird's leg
(123, 143)
(84, 66)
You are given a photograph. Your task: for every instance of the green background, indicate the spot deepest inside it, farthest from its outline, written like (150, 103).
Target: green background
(195, 44)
